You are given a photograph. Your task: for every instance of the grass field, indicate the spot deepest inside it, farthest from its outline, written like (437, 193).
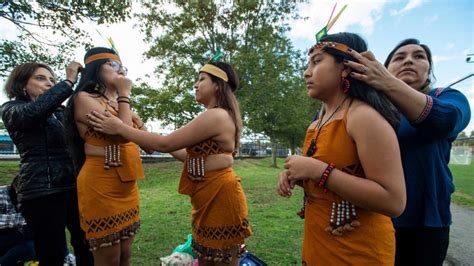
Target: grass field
(277, 231)
(464, 181)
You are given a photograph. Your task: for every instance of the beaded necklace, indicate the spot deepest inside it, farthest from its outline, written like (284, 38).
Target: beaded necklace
(110, 103)
(312, 147)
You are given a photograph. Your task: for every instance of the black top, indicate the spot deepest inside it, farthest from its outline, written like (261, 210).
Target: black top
(37, 131)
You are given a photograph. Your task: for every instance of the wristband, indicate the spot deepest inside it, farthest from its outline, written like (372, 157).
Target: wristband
(325, 176)
(70, 82)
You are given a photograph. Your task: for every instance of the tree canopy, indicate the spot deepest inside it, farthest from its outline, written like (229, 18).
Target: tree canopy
(34, 19)
(251, 35)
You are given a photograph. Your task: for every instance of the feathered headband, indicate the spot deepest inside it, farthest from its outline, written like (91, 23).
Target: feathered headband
(324, 32)
(214, 70)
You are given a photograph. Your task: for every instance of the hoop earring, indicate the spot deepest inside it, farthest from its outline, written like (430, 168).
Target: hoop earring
(345, 85)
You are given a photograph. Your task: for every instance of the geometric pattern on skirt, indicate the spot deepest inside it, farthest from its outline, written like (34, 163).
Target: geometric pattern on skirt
(222, 232)
(102, 224)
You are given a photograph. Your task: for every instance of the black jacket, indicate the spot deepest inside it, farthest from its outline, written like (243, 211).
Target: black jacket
(37, 131)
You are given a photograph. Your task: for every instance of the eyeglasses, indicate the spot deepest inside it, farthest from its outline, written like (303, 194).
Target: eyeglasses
(117, 66)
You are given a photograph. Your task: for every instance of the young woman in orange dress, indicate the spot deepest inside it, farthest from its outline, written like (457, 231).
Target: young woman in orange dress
(107, 167)
(352, 173)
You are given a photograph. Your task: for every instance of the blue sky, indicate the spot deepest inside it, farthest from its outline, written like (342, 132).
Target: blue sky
(446, 26)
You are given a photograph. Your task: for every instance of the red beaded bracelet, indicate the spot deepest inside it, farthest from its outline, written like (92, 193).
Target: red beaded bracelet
(325, 176)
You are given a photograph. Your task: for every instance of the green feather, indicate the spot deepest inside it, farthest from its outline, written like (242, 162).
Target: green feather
(323, 32)
(216, 57)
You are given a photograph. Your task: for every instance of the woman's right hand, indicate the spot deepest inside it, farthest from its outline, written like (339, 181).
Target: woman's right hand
(285, 186)
(72, 71)
(123, 85)
(104, 123)
(370, 71)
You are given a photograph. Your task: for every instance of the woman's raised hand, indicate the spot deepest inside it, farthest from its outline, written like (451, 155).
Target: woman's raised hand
(369, 70)
(72, 71)
(123, 85)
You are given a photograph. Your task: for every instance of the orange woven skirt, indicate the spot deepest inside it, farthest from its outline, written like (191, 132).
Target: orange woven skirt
(108, 207)
(219, 214)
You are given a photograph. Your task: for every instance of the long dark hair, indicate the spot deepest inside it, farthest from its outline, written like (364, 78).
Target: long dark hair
(16, 83)
(226, 98)
(431, 77)
(358, 89)
(91, 83)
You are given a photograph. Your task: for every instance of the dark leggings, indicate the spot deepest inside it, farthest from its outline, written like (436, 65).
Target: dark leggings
(421, 246)
(47, 217)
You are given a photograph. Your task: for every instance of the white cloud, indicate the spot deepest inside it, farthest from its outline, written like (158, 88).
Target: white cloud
(449, 46)
(409, 6)
(429, 20)
(360, 12)
(443, 58)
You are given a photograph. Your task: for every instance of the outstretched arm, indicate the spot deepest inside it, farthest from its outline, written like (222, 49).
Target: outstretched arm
(208, 124)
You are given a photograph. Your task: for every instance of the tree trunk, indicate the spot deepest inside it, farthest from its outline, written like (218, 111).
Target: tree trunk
(292, 149)
(274, 154)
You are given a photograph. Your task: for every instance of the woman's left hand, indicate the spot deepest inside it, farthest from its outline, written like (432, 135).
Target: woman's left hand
(302, 168)
(369, 70)
(137, 120)
(105, 123)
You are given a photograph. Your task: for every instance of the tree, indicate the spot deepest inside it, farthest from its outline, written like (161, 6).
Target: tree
(252, 36)
(60, 18)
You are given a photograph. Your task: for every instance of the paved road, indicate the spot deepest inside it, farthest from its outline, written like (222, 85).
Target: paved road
(461, 240)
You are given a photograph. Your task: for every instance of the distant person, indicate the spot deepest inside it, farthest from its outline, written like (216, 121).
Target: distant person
(205, 145)
(432, 119)
(107, 167)
(352, 173)
(46, 185)
(16, 242)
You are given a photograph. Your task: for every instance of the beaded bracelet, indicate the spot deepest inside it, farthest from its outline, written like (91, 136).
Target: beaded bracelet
(123, 97)
(325, 176)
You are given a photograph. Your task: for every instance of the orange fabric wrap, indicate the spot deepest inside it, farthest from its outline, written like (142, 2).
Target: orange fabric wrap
(219, 214)
(373, 243)
(106, 204)
(108, 198)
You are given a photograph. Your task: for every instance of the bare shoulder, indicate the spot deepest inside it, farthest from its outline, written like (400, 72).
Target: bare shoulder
(84, 96)
(362, 116)
(360, 111)
(216, 115)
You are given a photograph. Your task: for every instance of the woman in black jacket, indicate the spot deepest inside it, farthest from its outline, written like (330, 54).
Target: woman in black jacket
(46, 184)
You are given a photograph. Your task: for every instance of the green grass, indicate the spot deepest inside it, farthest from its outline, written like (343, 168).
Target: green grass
(277, 231)
(463, 176)
(8, 170)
